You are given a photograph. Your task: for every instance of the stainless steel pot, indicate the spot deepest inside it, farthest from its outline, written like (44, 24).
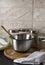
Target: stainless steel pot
(22, 42)
(17, 31)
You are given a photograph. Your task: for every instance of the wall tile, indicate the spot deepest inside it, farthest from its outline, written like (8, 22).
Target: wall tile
(40, 3)
(18, 14)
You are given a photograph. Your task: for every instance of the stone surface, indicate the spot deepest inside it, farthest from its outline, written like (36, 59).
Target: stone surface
(18, 14)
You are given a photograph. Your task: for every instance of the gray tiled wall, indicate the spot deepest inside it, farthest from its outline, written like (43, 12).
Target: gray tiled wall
(18, 14)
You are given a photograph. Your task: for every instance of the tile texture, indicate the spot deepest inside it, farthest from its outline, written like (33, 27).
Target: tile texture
(18, 14)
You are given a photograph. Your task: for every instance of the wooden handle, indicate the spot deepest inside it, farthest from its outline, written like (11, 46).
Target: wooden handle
(7, 31)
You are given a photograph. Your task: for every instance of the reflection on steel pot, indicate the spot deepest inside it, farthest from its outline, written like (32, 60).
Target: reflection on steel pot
(22, 42)
(13, 31)
(22, 45)
(17, 31)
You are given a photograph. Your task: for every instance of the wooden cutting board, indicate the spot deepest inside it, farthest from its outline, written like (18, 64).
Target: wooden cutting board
(10, 53)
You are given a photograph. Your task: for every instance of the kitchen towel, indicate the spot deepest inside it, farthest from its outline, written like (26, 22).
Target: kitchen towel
(34, 58)
(3, 44)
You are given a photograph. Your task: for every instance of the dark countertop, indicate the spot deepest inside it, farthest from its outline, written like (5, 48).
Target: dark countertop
(5, 61)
